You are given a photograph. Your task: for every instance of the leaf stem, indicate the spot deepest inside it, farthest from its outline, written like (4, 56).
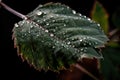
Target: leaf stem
(85, 71)
(13, 11)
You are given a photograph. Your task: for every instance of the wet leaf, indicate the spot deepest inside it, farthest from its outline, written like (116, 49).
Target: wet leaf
(55, 36)
(100, 15)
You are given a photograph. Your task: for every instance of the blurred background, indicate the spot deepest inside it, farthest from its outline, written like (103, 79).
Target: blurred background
(105, 12)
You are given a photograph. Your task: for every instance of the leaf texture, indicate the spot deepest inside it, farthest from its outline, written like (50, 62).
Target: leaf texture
(55, 36)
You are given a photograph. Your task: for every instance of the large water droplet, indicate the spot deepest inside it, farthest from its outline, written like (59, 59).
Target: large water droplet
(90, 43)
(51, 35)
(53, 20)
(80, 14)
(16, 25)
(53, 47)
(38, 20)
(47, 24)
(81, 40)
(64, 25)
(37, 35)
(68, 43)
(31, 26)
(74, 12)
(96, 43)
(81, 49)
(39, 13)
(88, 19)
(46, 31)
(98, 24)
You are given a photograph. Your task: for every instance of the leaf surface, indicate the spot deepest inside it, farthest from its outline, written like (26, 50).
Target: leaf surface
(55, 36)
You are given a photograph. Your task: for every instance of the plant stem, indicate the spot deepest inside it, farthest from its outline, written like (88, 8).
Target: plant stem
(13, 11)
(85, 71)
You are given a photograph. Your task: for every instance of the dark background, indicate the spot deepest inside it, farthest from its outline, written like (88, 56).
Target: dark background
(12, 67)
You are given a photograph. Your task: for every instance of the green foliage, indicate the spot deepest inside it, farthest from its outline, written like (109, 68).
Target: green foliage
(110, 64)
(55, 36)
(100, 15)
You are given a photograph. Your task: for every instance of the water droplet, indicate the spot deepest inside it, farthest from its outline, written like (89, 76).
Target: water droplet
(53, 20)
(46, 31)
(25, 34)
(80, 14)
(47, 24)
(31, 26)
(73, 46)
(54, 30)
(88, 19)
(51, 16)
(16, 25)
(64, 25)
(85, 47)
(98, 24)
(90, 43)
(53, 47)
(74, 12)
(96, 43)
(84, 44)
(81, 49)
(51, 35)
(68, 43)
(44, 19)
(84, 16)
(40, 5)
(39, 13)
(37, 35)
(81, 40)
(38, 20)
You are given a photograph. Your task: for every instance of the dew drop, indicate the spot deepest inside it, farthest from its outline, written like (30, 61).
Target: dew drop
(81, 49)
(44, 19)
(51, 16)
(39, 13)
(47, 24)
(73, 11)
(73, 46)
(51, 35)
(53, 20)
(84, 16)
(68, 43)
(80, 14)
(84, 44)
(25, 34)
(98, 24)
(16, 25)
(81, 40)
(31, 26)
(53, 47)
(96, 43)
(90, 44)
(38, 20)
(64, 25)
(46, 31)
(37, 35)
(88, 19)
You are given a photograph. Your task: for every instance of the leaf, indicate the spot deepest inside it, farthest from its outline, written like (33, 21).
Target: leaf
(55, 36)
(100, 15)
(110, 64)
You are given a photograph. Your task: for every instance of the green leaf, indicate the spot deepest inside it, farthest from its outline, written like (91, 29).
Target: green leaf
(100, 15)
(110, 64)
(55, 36)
